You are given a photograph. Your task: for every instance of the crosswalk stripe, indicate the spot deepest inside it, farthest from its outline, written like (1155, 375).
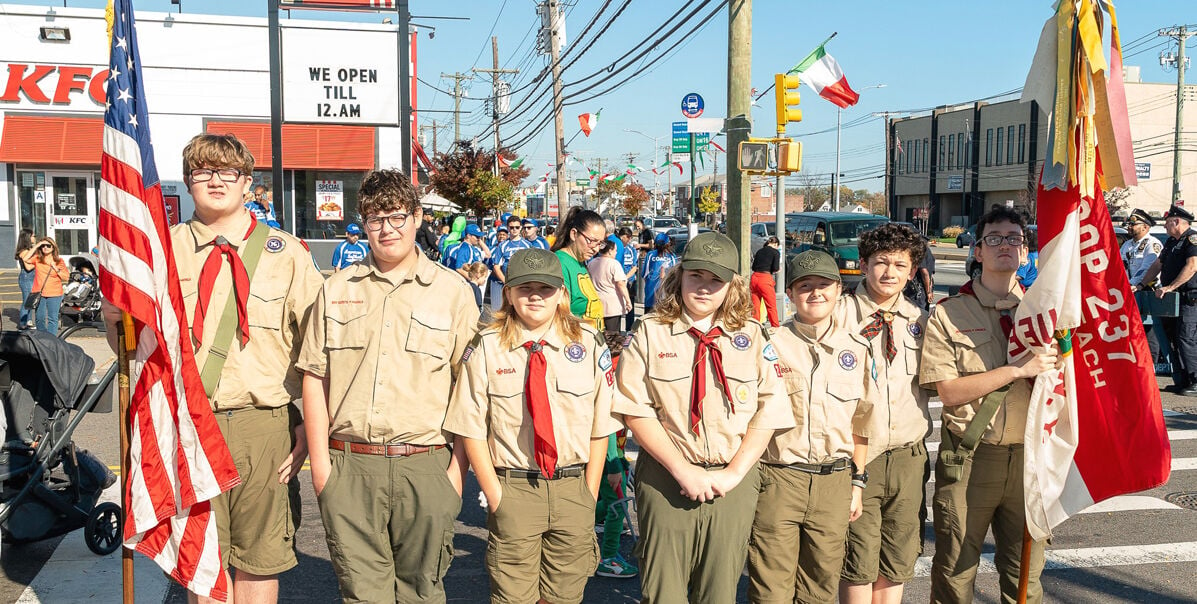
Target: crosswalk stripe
(1093, 557)
(1173, 435)
(1122, 503)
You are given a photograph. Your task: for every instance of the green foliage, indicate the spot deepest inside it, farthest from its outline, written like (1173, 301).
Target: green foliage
(456, 171)
(489, 193)
(708, 201)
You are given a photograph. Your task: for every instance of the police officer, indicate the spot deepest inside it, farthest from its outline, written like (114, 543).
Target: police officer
(1139, 253)
(1177, 269)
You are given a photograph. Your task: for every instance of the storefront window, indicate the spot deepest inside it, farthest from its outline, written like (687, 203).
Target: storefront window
(325, 202)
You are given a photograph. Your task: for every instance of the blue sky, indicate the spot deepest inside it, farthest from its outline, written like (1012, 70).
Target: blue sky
(927, 53)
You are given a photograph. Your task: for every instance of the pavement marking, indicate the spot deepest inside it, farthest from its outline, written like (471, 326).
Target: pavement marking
(1094, 557)
(1184, 463)
(1173, 435)
(1121, 503)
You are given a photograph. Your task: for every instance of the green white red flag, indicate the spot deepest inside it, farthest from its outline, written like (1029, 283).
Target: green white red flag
(822, 73)
(588, 121)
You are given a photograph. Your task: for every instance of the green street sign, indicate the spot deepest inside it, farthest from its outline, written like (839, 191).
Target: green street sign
(582, 182)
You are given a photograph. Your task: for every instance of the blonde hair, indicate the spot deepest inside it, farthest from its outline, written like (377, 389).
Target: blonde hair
(217, 151)
(734, 312)
(476, 270)
(507, 322)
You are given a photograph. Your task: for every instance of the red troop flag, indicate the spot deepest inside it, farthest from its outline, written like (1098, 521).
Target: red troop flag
(178, 458)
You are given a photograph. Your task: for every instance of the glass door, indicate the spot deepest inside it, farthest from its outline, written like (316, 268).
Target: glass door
(71, 212)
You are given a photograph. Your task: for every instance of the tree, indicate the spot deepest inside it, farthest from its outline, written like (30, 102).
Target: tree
(708, 201)
(489, 193)
(635, 198)
(455, 172)
(608, 189)
(813, 192)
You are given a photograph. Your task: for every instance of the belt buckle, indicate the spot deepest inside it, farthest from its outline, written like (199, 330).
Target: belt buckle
(826, 469)
(386, 451)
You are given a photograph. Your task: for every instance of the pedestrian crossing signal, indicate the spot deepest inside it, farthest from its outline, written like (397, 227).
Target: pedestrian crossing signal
(754, 157)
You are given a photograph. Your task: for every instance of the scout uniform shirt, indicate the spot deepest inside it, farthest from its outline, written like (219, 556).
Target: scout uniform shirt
(656, 371)
(965, 337)
(488, 401)
(389, 346)
(283, 286)
(900, 417)
(825, 378)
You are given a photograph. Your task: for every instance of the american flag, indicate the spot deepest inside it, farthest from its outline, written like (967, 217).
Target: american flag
(178, 458)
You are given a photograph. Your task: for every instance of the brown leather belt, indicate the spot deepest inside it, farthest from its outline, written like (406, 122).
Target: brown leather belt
(395, 450)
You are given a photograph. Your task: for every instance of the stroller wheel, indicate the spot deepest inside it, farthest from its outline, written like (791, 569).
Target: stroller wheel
(103, 530)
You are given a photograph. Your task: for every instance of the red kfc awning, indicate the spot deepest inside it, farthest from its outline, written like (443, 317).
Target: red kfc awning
(306, 147)
(49, 140)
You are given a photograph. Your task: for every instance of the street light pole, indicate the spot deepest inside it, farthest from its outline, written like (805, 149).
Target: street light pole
(835, 179)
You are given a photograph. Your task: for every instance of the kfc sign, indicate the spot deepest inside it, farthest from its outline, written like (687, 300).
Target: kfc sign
(53, 84)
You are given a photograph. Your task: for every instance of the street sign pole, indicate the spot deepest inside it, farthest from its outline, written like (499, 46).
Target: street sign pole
(693, 193)
(780, 220)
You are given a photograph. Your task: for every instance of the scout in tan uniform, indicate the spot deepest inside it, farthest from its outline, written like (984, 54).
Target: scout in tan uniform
(809, 489)
(533, 407)
(698, 387)
(885, 542)
(380, 357)
(247, 288)
(965, 359)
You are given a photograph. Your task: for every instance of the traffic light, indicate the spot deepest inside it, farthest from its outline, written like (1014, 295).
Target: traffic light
(754, 157)
(786, 94)
(789, 157)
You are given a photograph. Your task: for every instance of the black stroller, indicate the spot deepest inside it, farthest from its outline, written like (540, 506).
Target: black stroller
(81, 294)
(48, 487)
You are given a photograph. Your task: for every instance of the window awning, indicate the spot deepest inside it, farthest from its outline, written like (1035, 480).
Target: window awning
(49, 140)
(306, 147)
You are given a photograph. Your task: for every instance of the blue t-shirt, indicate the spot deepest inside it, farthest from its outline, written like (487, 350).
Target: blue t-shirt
(501, 256)
(263, 212)
(462, 254)
(539, 242)
(628, 259)
(1028, 272)
(347, 253)
(656, 265)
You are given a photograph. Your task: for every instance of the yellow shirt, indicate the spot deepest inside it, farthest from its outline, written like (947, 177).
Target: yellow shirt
(284, 284)
(657, 369)
(389, 346)
(488, 401)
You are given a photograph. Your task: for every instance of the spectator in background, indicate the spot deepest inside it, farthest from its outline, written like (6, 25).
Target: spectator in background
(501, 256)
(532, 234)
(353, 249)
(24, 258)
(763, 285)
(644, 237)
(656, 265)
(440, 240)
(426, 237)
(476, 275)
(920, 289)
(611, 283)
(581, 235)
(261, 206)
(50, 273)
(1027, 273)
(470, 250)
(630, 261)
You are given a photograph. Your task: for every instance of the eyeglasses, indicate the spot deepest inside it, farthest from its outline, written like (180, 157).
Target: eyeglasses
(996, 240)
(529, 228)
(397, 221)
(206, 174)
(592, 242)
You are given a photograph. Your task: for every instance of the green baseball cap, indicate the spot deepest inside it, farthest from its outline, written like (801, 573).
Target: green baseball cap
(812, 262)
(712, 252)
(534, 265)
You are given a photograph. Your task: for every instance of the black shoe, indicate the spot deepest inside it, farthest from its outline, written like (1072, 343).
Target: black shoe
(1189, 391)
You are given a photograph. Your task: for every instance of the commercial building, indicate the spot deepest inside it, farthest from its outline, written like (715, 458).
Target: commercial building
(203, 73)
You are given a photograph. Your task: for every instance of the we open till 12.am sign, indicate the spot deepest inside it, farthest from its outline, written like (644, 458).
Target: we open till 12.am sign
(329, 78)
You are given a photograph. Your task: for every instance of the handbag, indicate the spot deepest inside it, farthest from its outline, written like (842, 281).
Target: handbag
(35, 298)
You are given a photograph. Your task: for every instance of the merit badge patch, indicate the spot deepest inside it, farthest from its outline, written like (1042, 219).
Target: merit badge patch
(742, 392)
(741, 341)
(770, 353)
(575, 352)
(605, 360)
(847, 360)
(915, 329)
(275, 244)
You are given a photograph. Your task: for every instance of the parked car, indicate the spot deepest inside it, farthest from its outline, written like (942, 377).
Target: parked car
(662, 224)
(968, 237)
(837, 233)
(760, 232)
(681, 236)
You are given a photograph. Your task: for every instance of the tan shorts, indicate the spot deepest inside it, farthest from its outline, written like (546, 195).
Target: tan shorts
(542, 543)
(887, 539)
(256, 520)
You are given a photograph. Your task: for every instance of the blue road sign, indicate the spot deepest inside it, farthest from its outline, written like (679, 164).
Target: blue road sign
(692, 105)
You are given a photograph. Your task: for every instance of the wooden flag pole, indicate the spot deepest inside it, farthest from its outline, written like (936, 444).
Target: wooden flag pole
(125, 345)
(1024, 566)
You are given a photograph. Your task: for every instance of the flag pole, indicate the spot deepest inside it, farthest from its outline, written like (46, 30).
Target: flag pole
(1024, 565)
(124, 347)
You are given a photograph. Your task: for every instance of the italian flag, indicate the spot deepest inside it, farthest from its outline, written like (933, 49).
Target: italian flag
(820, 71)
(589, 121)
(514, 165)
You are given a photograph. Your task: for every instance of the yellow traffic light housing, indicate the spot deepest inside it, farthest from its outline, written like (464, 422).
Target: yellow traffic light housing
(787, 99)
(789, 157)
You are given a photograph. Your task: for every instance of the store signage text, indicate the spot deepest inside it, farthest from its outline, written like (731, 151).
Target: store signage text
(340, 77)
(341, 90)
(53, 84)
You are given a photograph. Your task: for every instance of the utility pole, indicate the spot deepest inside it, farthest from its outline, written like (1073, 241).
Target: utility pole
(458, 78)
(739, 121)
(631, 157)
(556, 23)
(495, 72)
(1180, 34)
(433, 128)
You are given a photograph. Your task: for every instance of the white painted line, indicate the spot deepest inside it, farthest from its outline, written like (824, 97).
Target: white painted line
(1130, 503)
(1173, 435)
(1184, 463)
(938, 404)
(1094, 557)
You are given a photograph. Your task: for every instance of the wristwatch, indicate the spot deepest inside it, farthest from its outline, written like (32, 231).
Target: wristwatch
(861, 480)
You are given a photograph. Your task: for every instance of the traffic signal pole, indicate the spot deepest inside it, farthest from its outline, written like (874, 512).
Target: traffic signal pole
(739, 121)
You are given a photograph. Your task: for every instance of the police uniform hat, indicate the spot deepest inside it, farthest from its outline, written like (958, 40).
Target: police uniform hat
(712, 252)
(534, 265)
(1138, 216)
(812, 263)
(1179, 212)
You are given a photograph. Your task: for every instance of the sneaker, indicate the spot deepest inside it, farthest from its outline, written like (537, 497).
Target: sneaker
(617, 568)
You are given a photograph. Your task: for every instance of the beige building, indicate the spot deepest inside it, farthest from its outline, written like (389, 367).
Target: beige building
(952, 164)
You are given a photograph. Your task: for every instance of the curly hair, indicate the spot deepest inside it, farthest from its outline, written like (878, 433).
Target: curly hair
(384, 191)
(734, 312)
(892, 237)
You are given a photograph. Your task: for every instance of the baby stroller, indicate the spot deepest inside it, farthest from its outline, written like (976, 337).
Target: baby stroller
(48, 487)
(81, 294)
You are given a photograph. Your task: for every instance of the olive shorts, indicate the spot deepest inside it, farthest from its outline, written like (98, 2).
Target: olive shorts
(256, 520)
(542, 542)
(389, 524)
(887, 539)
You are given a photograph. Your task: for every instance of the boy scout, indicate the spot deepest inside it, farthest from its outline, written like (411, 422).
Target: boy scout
(247, 339)
(533, 408)
(380, 356)
(885, 542)
(698, 386)
(810, 488)
(978, 474)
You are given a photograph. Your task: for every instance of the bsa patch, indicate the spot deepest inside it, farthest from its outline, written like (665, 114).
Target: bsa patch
(770, 353)
(915, 329)
(742, 392)
(741, 341)
(605, 360)
(465, 354)
(275, 244)
(847, 360)
(575, 352)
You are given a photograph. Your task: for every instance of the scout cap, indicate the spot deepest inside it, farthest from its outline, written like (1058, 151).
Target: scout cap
(353, 229)
(534, 265)
(1140, 217)
(812, 262)
(712, 252)
(474, 230)
(1179, 212)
